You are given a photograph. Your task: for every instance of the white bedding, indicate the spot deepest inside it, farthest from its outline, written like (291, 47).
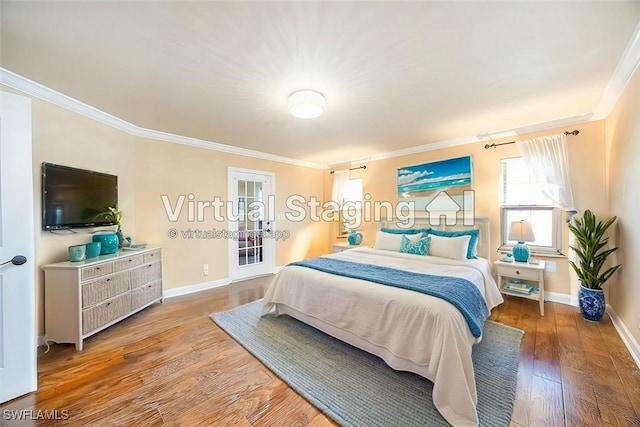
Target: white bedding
(409, 330)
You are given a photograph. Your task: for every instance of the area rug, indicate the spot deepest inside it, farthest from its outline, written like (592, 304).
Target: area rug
(355, 388)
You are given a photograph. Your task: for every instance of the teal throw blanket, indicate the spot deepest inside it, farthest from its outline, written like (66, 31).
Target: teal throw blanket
(460, 292)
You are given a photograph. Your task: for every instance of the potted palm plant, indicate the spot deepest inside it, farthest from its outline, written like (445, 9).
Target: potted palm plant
(591, 238)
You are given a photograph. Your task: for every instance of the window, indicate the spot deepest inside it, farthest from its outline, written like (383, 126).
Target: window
(520, 198)
(350, 217)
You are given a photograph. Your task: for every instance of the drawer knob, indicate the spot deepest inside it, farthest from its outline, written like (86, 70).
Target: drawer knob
(517, 271)
(109, 279)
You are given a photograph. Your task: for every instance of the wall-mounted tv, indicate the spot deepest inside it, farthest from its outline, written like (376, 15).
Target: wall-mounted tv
(73, 198)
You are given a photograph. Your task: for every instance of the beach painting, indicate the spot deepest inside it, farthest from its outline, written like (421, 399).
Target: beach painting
(423, 182)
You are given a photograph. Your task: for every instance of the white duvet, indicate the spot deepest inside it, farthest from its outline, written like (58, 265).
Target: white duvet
(409, 330)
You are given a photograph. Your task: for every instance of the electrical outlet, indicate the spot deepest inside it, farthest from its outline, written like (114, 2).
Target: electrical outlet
(205, 269)
(550, 266)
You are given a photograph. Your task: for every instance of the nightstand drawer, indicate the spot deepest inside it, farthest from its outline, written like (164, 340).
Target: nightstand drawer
(519, 272)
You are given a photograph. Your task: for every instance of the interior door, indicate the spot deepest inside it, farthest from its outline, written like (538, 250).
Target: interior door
(251, 250)
(18, 370)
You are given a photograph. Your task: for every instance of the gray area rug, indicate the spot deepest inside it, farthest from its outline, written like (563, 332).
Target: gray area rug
(355, 388)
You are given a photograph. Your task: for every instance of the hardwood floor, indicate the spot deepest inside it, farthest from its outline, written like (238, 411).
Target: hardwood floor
(170, 364)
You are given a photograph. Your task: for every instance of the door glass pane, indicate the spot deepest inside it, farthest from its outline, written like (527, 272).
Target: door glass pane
(250, 222)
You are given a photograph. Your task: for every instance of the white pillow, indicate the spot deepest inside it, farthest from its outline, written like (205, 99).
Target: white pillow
(449, 247)
(391, 241)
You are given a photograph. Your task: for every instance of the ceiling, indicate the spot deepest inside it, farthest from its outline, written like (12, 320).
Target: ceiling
(395, 74)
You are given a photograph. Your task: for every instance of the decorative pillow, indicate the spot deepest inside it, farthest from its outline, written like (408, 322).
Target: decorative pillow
(419, 247)
(472, 249)
(391, 241)
(449, 247)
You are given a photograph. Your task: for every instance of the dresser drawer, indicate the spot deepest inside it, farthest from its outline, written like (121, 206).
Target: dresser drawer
(128, 262)
(145, 294)
(102, 289)
(152, 256)
(96, 271)
(146, 274)
(518, 272)
(106, 312)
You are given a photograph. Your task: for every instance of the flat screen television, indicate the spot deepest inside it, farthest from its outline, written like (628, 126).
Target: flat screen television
(73, 198)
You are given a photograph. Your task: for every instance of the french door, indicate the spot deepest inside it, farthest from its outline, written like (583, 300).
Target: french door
(250, 222)
(18, 371)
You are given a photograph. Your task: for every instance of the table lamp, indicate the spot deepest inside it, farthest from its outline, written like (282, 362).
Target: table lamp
(521, 232)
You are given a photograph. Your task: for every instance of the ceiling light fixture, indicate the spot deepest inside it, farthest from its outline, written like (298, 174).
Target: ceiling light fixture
(306, 104)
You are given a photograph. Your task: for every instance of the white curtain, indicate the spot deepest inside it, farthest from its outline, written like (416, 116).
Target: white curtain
(340, 178)
(547, 157)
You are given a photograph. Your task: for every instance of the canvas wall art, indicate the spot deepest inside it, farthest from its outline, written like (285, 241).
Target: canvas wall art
(421, 183)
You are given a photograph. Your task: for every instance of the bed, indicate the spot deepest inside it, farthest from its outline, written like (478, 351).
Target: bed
(410, 331)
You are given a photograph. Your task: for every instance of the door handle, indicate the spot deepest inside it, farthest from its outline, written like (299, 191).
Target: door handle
(16, 260)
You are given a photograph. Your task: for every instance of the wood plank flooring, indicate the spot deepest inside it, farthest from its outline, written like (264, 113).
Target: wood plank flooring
(170, 364)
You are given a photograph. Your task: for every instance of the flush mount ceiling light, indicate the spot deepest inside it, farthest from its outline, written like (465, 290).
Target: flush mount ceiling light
(306, 104)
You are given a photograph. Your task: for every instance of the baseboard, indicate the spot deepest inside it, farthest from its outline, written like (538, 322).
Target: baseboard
(186, 290)
(561, 298)
(628, 339)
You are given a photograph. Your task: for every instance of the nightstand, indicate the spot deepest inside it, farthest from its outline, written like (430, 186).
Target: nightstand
(524, 272)
(339, 247)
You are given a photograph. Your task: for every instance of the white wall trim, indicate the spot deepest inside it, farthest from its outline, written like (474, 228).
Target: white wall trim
(626, 336)
(186, 290)
(561, 298)
(620, 79)
(37, 90)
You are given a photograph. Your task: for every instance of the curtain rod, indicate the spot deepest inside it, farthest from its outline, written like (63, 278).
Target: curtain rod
(494, 145)
(352, 169)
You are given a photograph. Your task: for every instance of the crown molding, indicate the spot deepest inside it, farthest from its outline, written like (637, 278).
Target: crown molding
(512, 133)
(620, 79)
(40, 91)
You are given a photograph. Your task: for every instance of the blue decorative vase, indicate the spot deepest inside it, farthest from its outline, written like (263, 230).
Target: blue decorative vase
(93, 249)
(108, 243)
(591, 303)
(354, 238)
(520, 252)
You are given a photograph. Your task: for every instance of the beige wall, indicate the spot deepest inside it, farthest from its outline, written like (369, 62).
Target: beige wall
(623, 175)
(171, 169)
(146, 169)
(586, 153)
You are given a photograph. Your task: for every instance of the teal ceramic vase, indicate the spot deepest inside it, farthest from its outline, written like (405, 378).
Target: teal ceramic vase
(77, 253)
(108, 243)
(354, 238)
(93, 249)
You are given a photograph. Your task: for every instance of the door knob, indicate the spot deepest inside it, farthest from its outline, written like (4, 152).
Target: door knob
(16, 260)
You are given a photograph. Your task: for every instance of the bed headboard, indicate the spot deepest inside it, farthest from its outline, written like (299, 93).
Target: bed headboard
(479, 222)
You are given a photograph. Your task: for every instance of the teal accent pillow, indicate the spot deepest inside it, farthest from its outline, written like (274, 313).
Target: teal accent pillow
(420, 247)
(472, 241)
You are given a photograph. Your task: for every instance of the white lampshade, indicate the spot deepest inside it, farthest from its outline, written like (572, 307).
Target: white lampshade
(521, 231)
(306, 104)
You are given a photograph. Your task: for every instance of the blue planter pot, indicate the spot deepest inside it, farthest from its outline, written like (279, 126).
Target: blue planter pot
(108, 243)
(591, 303)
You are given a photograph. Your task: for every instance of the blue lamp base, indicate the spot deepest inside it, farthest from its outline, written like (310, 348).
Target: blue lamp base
(520, 252)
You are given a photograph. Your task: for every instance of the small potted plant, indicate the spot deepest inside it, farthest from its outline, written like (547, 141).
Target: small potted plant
(114, 215)
(591, 238)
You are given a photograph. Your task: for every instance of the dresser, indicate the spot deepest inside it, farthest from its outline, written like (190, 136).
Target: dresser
(83, 298)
